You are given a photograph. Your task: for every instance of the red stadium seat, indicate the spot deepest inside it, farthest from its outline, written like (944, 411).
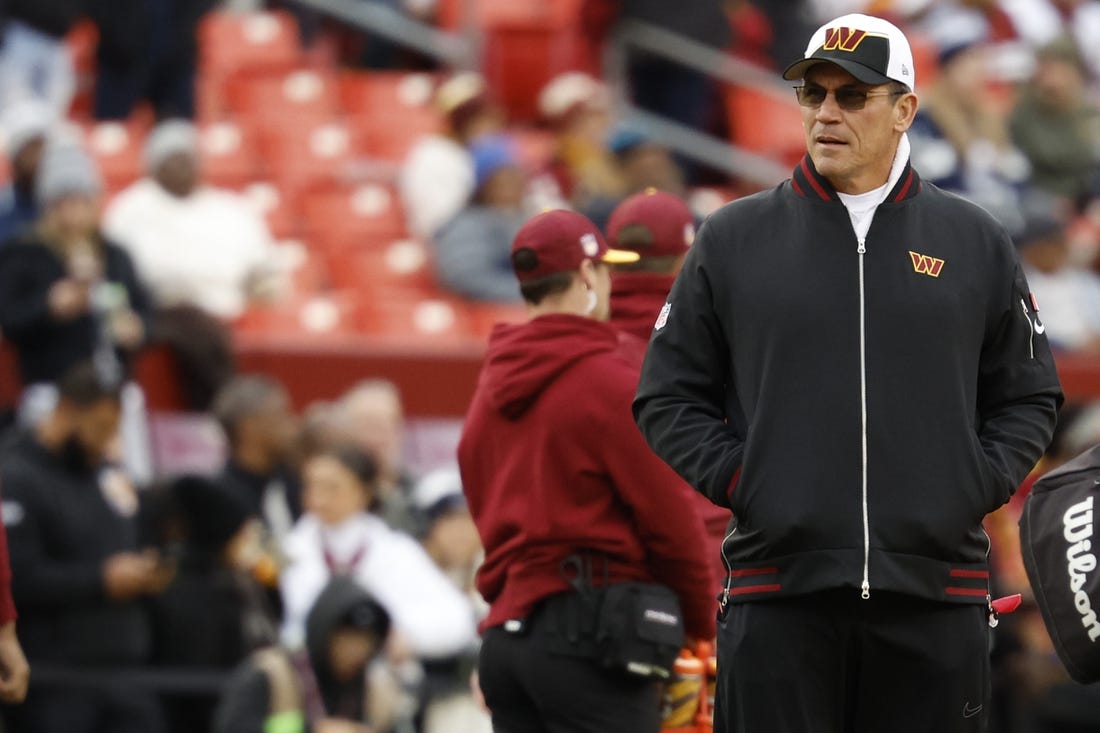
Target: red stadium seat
(323, 315)
(302, 93)
(117, 149)
(300, 155)
(392, 109)
(370, 92)
(81, 42)
(280, 211)
(401, 269)
(528, 43)
(427, 319)
(766, 122)
(231, 43)
(366, 216)
(228, 155)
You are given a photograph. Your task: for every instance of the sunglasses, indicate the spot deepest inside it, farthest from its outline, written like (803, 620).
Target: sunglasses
(847, 98)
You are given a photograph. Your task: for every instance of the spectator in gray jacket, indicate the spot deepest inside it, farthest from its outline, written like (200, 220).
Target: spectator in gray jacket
(472, 250)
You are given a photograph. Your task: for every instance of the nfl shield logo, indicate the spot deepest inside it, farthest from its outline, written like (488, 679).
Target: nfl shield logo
(662, 317)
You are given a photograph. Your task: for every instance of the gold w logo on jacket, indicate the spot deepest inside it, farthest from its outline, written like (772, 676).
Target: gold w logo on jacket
(925, 265)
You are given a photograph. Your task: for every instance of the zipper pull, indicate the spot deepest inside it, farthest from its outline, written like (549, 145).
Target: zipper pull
(862, 248)
(866, 587)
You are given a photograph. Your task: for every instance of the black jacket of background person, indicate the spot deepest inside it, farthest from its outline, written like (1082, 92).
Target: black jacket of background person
(763, 328)
(52, 17)
(46, 347)
(61, 528)
(124, 30)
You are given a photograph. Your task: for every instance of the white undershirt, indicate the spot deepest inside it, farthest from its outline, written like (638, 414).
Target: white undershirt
(861, 206)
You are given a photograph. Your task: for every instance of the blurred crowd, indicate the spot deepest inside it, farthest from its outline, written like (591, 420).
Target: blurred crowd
(313, 558)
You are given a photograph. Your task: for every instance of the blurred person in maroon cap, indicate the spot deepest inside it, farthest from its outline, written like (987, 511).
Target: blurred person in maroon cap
(570, 504)
(660, 228)
(438, 176)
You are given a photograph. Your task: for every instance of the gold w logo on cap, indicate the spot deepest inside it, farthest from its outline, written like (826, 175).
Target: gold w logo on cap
(843, 39)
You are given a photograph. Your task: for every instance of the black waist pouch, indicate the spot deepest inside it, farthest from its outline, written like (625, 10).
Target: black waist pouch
(1060, 546)
(634, 628)
(640, 629)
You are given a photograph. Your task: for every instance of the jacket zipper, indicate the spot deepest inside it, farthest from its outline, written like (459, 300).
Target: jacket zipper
(726, 592)
(1030, 328)
(865, 588)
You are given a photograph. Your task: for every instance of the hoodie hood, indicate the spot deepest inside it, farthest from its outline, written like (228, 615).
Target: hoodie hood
(340, 597)
(523, 359)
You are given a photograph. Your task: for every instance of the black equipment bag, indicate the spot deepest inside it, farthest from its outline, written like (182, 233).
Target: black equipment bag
(1059, 543)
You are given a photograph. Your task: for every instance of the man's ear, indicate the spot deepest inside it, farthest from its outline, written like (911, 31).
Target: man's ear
(587, 274)
(904, 112)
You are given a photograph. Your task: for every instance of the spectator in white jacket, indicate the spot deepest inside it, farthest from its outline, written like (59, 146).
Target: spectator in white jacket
(192, 244)
(339, 536)
(438, 178)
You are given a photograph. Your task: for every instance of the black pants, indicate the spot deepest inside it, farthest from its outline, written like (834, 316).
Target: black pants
(532, 690)
(834, 663)
(107, 709)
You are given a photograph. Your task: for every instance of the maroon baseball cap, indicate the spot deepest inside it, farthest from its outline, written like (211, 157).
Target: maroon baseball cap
(668, 219)
(561, 240)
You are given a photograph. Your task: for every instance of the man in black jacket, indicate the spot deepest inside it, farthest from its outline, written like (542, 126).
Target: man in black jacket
(77, 572)
(852, 363)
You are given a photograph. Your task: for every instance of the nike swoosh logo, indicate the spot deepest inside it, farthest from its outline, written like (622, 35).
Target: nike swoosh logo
(1040, 329)
(969, 712)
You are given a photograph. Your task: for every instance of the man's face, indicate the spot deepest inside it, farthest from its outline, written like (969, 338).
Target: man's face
(178, 174)
(91, 430)
(854, 149)
(272, 428)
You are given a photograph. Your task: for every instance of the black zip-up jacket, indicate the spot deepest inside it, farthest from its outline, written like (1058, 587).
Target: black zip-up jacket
(860, 406)
(61, 529)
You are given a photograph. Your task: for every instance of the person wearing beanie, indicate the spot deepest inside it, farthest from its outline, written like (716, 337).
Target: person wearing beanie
(214, 613)
(852, 365)
(25, 127)
(471, 250)
(566, 495)
(195, 245)
(67, 293)
(437, 178)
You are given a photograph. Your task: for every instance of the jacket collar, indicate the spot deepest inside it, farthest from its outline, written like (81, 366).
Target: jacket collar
(807, 182)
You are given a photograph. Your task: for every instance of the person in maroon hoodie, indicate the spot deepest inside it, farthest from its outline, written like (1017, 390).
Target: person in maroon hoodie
(553, 468)
(660, 228)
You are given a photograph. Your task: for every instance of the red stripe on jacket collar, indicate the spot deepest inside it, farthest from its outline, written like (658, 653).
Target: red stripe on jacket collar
(807, 182)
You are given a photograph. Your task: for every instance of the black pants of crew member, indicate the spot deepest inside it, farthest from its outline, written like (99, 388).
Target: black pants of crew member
(530, 690)
(107, 709)
(835, 663)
